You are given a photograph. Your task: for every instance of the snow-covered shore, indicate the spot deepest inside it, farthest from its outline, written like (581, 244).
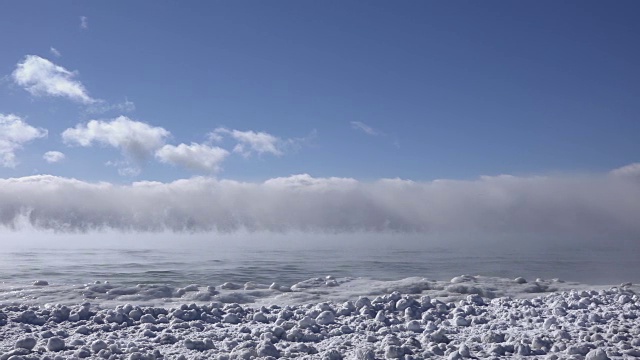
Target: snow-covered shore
(467, 317)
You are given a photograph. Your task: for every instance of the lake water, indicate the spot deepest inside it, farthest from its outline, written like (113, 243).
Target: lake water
(182, 259)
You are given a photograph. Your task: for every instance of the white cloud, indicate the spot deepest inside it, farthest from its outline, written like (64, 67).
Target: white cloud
(249, 142)
(84, 22)
(360, 126)
(55, 52)
(136, 140)
(125, 106)
(53, 156)
(571, 208)
(104, 107)
(14, 133)
(196, 157)
(41, 77)
(306, 181)
(215, 135)
(125, 168)
(631, 171)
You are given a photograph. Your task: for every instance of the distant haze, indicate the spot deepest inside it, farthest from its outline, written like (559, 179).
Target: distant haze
(576, 206)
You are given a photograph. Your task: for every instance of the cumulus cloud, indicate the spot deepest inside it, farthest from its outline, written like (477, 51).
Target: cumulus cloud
(55, 52)
(14, 133)
(360, 126)
(197, 157)
(41, 77)
(84, 22)
(53, 156)
(136, 140)
(250, 142)
(568, 207)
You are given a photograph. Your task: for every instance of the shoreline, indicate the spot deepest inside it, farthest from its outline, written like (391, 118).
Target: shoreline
(583, 323)
(106, 294)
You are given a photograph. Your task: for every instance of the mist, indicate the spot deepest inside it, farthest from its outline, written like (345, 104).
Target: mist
(562, 205)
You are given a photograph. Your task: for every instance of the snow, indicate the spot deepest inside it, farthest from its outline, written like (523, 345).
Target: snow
(325, 318)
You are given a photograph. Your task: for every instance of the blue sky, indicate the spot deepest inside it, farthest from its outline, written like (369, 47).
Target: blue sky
(367, 90)
(496, 117)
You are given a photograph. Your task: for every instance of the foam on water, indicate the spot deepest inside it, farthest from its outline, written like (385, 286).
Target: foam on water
(159, 269)
(106, 294)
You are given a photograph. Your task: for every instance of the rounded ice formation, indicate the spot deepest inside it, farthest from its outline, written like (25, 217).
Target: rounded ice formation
(306, 322)
(260, 317)
(147, 319)
(98, 345)
(278, 287)
(331, 282)
(414, 325)
(55, 344)
(597, 354)
(231, 319)
(461, 321)
(393, 352)
(230, 286)
(266, 348)
(362, 302)
(381, 317)
(520, 280)
(26, 343)
(462, 278)
(325, 318)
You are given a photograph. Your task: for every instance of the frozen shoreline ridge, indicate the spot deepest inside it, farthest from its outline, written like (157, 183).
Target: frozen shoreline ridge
(467, 317)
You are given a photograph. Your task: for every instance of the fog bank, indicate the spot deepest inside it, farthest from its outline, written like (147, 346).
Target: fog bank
(606, 204)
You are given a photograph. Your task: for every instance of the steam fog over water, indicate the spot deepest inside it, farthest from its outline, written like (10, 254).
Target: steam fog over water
(604, 205)
(212, 259)
(582, 228)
